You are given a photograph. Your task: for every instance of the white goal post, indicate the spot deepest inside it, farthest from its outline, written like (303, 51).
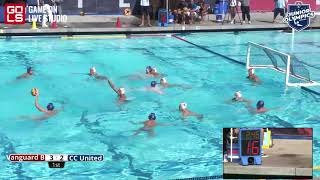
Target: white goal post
(278, 61)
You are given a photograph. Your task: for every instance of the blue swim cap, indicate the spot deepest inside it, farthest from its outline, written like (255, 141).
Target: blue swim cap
(152, 116)
(153, 83)
(148, 69)
(260, 104)
(50, 107)
(29, 69)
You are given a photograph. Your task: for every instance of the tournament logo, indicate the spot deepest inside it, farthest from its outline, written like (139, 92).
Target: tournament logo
(15, 13)
(298, 15)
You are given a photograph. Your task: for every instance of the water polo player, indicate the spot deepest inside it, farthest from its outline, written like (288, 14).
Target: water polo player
(47, 113)
(28, 74)
(251, 76)
(149, 125)
(93, 73)
(152, 72)
(153, 88)
(120, 92)
(259, 108)
(238, 97)
(164, 84)
(185, 112)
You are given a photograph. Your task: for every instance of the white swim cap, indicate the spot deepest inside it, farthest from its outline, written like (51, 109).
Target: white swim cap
(154, 69)
(163, 80)
(183, 105)
(122, 90)
(238, 94)
(252, 70)
(93, 69)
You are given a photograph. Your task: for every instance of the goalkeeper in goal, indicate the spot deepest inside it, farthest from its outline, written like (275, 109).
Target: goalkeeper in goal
(251, 76)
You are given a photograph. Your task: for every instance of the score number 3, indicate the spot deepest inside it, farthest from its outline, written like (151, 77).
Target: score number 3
(254, 147)
(51, 158)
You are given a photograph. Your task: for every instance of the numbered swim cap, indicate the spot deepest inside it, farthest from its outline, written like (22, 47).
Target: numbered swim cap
(163, 80)
(260, 104)
(183, 105)
(152, 116)
(148, 69)
(50, 107)
(29, 70)
(122, 90)
(153, 83)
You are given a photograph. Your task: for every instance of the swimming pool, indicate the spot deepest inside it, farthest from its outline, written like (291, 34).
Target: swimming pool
(93, 123)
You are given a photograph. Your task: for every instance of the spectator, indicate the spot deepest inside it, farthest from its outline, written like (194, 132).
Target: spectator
(145, 9)
(181, 12)
(245, 11)
(47, 13)
(203, 9)
(194, 10)
(233, 10)
(280, 6)
(58, 4)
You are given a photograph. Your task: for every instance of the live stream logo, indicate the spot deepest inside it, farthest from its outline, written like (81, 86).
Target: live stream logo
(15, 14)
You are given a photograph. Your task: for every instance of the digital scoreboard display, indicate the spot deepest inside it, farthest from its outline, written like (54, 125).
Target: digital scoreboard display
(250, 142)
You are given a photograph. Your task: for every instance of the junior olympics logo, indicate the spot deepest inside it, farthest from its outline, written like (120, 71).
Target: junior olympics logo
(298, 16)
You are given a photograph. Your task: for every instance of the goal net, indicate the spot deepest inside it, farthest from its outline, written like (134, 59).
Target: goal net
(296, 74)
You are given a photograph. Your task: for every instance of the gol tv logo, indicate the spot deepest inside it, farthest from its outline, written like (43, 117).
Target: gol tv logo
(15, 14)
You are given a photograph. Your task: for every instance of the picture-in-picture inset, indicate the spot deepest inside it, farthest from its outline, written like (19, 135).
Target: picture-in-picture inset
(277, 153)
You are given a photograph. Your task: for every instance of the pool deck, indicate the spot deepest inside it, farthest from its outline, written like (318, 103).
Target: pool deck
(286, 158)
(103, 24)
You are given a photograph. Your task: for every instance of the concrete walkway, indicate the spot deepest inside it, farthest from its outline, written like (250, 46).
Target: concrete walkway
(99, 24)
(286, 158)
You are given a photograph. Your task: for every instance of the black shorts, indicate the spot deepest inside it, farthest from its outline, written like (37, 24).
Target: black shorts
(278, 11)
(145, 10)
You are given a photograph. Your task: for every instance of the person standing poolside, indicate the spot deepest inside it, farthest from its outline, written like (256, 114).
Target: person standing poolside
(280, 8)
(252, 76)
(145, 10)
(149, 125)
(26, 75)
(185, 112)
(245, 9)
(121, 92)
(93, 73)
(233, 10)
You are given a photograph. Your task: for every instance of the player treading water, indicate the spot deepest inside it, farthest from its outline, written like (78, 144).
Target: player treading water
(149, 125)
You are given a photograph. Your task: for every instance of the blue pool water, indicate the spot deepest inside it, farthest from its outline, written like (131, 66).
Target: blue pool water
(93, 122)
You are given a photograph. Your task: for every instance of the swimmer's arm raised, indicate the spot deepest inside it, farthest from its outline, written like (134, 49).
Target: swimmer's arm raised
(38, 106)
(112, 86)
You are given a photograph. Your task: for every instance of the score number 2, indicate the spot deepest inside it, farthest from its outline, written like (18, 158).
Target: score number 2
(254, 147)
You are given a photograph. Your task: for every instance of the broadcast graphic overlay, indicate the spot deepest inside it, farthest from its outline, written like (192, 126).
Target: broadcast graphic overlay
(55, 160)
(19, 13)
(275, 153)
